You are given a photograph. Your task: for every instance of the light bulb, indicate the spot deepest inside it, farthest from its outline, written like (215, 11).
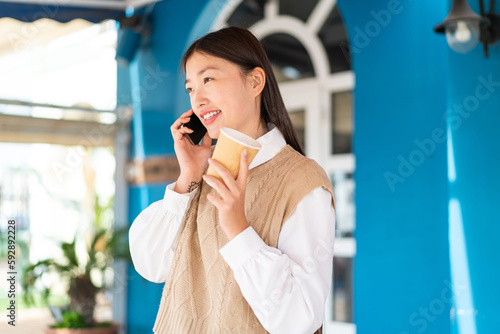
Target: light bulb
(462, 36)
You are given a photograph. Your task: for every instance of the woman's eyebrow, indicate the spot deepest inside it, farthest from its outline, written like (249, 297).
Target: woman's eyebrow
(202, 71)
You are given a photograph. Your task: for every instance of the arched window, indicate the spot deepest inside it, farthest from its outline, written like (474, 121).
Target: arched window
(306, 42)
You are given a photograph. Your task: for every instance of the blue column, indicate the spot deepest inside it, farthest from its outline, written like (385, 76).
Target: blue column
(401, 267)
(473, 121)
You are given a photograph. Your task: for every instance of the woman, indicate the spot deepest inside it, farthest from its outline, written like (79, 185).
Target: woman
(251, 255)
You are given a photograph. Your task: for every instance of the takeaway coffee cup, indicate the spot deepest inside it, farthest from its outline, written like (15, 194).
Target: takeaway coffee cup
(228, 150)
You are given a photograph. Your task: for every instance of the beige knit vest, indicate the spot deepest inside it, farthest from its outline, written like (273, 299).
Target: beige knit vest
(201, 295)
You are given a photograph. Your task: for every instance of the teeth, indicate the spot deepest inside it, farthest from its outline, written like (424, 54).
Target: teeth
(211, 114)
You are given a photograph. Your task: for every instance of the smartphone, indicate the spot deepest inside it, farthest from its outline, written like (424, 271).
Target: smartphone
(198, 128)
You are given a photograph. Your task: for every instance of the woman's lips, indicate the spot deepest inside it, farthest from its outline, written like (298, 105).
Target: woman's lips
(211, 116)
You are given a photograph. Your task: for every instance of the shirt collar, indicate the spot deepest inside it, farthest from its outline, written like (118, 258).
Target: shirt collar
(272, 143)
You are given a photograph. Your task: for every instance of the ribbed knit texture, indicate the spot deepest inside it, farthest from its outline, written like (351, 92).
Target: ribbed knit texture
(201, 295)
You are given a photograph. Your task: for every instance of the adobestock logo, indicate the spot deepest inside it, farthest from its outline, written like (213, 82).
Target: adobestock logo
(427, 314)
(427, 146)
(362, 36)
(30, 31)
(95, 137)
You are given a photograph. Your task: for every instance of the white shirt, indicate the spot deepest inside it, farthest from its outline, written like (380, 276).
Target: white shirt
(287, 286)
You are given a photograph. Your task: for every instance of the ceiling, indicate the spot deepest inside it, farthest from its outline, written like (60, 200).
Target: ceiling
(64, 11)
(109, 4)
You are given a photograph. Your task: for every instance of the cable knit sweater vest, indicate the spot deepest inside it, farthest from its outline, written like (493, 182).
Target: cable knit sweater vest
(201, 295)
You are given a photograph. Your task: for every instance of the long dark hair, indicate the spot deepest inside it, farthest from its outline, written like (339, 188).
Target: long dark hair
(242, 48)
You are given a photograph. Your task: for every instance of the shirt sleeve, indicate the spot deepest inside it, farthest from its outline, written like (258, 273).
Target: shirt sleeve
(154, 233)
(287, 286)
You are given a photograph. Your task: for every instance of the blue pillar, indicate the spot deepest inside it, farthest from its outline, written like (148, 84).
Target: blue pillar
(473, 120)
(401, 270)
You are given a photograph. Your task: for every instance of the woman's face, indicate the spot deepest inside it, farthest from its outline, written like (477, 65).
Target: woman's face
(221, 96)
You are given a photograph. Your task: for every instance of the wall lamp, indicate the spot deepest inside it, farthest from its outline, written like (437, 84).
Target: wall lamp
(133, 28)
(464, 28)
(129, 40)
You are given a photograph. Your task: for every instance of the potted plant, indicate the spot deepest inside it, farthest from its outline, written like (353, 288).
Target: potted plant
(78, 271)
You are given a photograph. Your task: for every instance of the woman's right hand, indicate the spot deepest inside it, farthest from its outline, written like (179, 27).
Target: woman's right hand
(193, 159)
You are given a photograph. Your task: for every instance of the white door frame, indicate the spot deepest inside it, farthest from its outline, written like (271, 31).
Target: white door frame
(304, 94)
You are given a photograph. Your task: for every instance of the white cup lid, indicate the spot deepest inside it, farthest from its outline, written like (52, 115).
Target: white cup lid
(241, 138)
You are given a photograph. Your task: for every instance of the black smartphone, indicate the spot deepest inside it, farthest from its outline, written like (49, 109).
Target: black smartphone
(198, 128)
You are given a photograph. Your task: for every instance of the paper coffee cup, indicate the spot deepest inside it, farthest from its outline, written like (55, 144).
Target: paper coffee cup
(228, 150)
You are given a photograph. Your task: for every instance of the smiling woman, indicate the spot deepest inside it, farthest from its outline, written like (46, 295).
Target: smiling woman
(238, 255)
(245, 52)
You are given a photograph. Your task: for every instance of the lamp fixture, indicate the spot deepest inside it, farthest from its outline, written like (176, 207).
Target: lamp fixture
(129, 40)
(133, 28)
(464, 28)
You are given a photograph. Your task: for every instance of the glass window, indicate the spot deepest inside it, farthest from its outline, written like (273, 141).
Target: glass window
(288, 57)
(342, 122)
(343, 183)
(50, 191)
(342, 289)
(247, 13)
(298, 9)
(334, 38)
(298, 118)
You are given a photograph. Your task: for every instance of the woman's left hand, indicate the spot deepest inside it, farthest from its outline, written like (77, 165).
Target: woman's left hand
(231, 203)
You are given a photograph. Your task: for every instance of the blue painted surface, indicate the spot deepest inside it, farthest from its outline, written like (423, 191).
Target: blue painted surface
(143, 297)
(474, 99)
(401, 265)
(143, 301)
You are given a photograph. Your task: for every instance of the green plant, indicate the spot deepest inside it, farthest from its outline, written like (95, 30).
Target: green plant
(105, 245)
(71, 319)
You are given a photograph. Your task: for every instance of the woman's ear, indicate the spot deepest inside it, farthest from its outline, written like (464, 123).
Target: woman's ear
(257, 80)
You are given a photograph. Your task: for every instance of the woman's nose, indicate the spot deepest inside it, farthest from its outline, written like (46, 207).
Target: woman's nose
(198, 99)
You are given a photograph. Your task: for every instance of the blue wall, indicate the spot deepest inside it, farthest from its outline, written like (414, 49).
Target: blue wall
(474, 165)
(401, 265)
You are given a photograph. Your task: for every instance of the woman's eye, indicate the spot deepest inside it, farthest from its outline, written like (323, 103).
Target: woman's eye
(205, 80)
(189, 90)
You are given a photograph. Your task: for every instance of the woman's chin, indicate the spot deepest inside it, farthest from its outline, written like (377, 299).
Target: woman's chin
(214, 133)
